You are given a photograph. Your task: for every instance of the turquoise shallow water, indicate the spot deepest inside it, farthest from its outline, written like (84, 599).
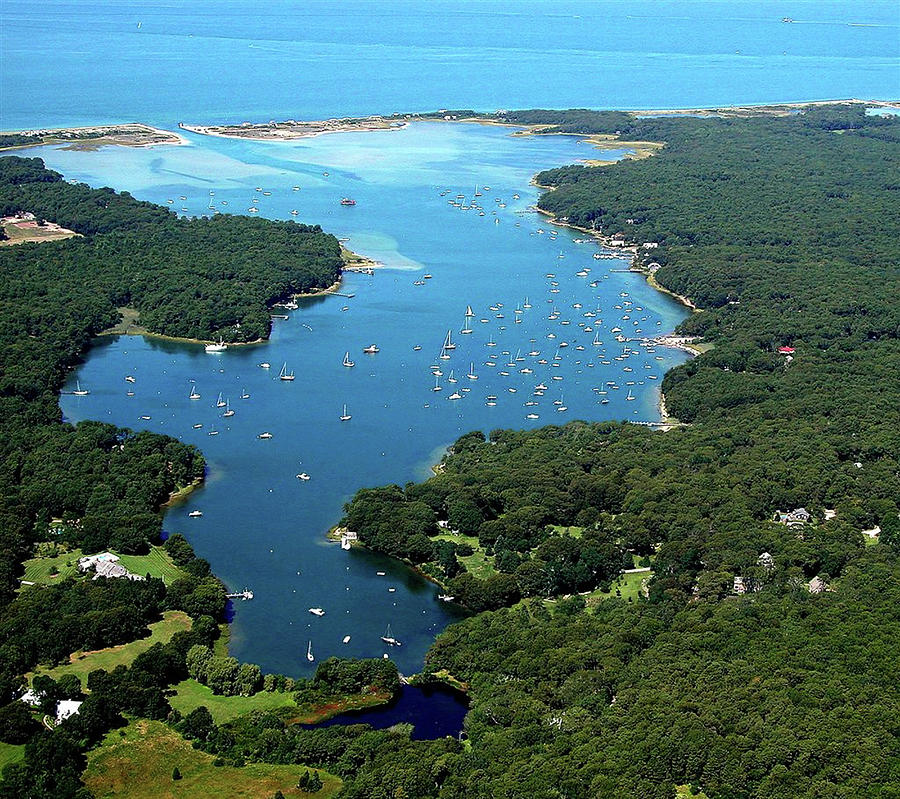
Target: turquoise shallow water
(78, 62)
(261, 526)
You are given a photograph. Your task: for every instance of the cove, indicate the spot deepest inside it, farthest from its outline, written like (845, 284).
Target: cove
(435, 711)
(261, 527)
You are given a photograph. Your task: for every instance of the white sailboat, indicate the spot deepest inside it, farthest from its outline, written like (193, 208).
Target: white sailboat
(228, 411)
(79, 391)
(219, 346)
(309, 654)
(389, 639)
(284, 374)
(469, 312)
(345, 417)
(490, 342)
(630, 395)
(448, 342)
(466, 329)
(347, 362)
(194, 395)
(472, 375)
(244, 394)
(220, 403)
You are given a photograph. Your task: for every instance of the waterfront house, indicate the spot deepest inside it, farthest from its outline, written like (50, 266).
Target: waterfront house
(66, 708)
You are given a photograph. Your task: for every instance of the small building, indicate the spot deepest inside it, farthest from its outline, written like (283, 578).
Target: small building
(829, 513)
(739, 587)
(793, 517)
(66, 708)
(873, 533)
(786, 350)
(817, 585)
(31, 698)
(650, 245)
(767, 562)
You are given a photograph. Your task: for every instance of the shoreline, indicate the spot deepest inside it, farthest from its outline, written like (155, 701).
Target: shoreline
(93, 137)
(291, 130)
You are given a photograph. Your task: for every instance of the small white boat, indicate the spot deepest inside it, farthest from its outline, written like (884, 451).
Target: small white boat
(229, 412)
(194, 395)
(345, 417)
(347, 362)
(472, 375)
(303, 476)
(284, 374)
(445, 597)
(265, 365)
(309, 654)
(345, 639)
(244, 394)
(195, 514)
(317, 611)
(220, 402)
(219, 346)
(455, 396)
(79, 391)
(371, 349)
(129, 379)
(264, 435)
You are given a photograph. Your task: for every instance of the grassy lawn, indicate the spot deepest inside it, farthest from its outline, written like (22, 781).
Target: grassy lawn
(190, 695)
(83, 663)
(156, 563)
(628, 584)
(478, 563)
(10, 753)
(561, 529)
(138, 765)
(685, 792)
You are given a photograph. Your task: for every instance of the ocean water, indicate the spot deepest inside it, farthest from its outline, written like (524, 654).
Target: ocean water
(67, 62)
(263, 528)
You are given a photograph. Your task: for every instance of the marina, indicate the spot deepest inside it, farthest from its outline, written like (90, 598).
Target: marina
(311, 429)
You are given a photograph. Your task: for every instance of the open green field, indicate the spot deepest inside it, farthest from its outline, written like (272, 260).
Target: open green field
(685, 792)
(10, 753)
(41, 569)
(190, 694)
(628, 586)
(156, 563)
(47, 569)
(83, 663)
(137, 763)
(478, 563)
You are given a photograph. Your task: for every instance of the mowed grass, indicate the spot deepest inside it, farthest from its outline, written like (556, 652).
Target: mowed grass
(45, 570)
(628, 585)
(156, 563)
(83, 663)
(190, 694)
(10, 753)
(138, 764)
(478, 563)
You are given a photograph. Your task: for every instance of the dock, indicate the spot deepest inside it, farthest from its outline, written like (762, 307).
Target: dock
(245, 595)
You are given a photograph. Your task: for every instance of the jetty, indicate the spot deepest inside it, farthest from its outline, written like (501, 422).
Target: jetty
(245, 595)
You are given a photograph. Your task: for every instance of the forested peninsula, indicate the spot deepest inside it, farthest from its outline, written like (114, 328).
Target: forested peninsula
(757, 659)
(711, 611)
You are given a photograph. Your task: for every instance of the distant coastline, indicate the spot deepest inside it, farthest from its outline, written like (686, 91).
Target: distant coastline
(290, 129)
(91, 137)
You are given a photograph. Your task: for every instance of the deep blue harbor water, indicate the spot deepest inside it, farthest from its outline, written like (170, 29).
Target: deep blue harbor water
(66, 62)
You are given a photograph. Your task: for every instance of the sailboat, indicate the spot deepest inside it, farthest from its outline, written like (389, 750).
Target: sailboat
(284, 374)
(220, 403)
(490, 342)
(244, 394)
(194, 395)
(79, 391)
(469, 311)
(309, 654)
(228, 411)
(451, 378)
(389, 639)
(526, 305)
(472, 375)
(345, 417)
(347, 362)
(630, 395)
(437, 386)
(466, 329)
(219, 346)
(448, 342)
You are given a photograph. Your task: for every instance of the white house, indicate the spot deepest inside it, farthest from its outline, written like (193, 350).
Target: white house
(66, 708)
